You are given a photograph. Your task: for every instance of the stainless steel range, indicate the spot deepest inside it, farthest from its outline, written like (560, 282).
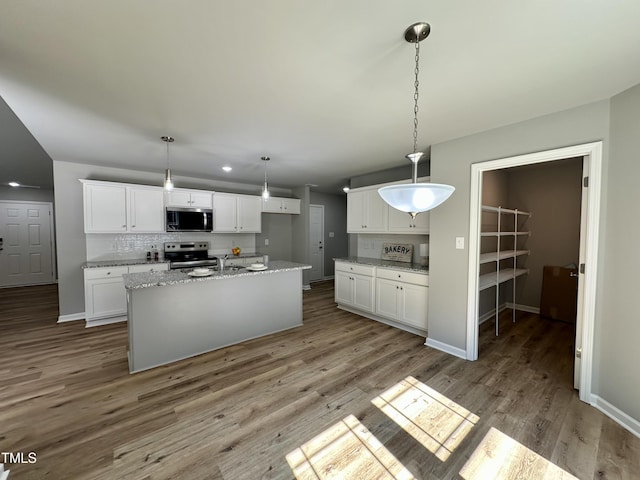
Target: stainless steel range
(188, 255)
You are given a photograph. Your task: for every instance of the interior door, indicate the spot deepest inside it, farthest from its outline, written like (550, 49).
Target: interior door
(26, 250)
(316, 242)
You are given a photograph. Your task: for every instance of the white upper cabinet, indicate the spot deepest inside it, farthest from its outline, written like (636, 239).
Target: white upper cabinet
(281, 205)
(121, 208)
(146, 214)
(366, 212)
(401, 222)
(186, 198)
(233, 213)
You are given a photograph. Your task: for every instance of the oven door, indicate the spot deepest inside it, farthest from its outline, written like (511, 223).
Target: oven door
(189, 220)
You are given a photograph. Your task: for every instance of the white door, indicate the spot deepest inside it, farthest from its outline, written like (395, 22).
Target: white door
(26, 250)
(316, 242)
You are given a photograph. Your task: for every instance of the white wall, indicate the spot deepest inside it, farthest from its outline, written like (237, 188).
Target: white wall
(451, 163)
(618, 329)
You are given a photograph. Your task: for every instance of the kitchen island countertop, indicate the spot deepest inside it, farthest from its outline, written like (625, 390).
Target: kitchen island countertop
(134, 281)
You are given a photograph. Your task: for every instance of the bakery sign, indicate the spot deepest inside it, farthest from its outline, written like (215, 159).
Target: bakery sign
(399, 252)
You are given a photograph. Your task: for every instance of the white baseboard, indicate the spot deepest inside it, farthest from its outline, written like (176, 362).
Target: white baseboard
(72, 317)
(524, 308)
(444, 347)
(617, 415)
(105, 321)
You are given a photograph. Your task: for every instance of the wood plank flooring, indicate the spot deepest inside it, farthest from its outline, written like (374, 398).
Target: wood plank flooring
(66, 394)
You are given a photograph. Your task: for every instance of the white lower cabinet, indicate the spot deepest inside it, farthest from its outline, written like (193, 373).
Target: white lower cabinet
(354, 285)
(402, 296)
(384, 294)
(105, 299)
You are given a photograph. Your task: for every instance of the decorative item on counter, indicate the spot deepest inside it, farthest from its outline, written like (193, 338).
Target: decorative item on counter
(148, 256)
(398, 252)
(235, 251)
(424, 254)
(265, 259)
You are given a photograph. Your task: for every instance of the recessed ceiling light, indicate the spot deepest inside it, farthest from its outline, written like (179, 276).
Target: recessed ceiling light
(227, 168)
(14, 184)
(345, 189)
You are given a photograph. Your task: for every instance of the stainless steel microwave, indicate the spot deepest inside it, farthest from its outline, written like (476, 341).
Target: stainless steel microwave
(188, 219)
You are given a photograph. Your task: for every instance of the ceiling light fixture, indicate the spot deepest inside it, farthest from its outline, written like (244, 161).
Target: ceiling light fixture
(14, 184)
(345, 189)
(227, 168)
(415, 197)
(168, 181)
(265, 189)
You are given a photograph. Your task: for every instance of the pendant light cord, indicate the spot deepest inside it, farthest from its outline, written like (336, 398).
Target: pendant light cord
(416, 83)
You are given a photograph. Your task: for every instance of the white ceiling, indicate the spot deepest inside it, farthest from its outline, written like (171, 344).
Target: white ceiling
(324, 88)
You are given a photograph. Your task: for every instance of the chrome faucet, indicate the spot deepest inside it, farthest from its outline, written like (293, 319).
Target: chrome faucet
(221, 261)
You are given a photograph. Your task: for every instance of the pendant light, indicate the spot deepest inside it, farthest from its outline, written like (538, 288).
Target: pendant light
(168, 181)
(415, 197)
(265, 188)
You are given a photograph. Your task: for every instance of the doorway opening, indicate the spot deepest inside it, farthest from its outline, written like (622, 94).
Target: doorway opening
(589, 228)
(316, 242)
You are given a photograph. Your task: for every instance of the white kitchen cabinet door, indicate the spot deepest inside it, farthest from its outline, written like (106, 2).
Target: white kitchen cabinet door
(249, 214)
(104, 294)
(146, 212)
(343, 288)
(356, 211)
(225, 213)
(363, 292)
(387, 301)
(281, 205)
(414, 305)
(366, 212)
(401, 222)
(186, 198)
(178, 197)
(105, 208)
(200, 199)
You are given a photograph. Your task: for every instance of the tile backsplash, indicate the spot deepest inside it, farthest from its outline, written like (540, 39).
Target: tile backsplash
(370, 245)
(136, 246)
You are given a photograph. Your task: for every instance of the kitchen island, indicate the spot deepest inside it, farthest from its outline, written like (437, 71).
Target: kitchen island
(173, 315)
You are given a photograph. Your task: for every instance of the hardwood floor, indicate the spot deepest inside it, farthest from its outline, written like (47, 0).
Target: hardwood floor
(66, 394)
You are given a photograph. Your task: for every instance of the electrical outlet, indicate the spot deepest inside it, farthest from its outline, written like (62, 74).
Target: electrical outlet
(266, 242)
(459, 243)
(331, 235)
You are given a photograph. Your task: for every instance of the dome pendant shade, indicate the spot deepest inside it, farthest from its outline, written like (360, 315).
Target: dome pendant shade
(414, 198)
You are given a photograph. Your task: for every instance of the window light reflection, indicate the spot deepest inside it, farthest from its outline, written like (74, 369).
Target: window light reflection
(345, 450)
(500, 457)
(439, 424)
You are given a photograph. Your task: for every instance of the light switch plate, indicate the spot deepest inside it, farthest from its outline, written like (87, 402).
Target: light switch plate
(459, 243)
(331, 234)
(266, 242)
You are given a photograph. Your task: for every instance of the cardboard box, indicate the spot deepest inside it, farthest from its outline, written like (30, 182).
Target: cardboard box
(559, 293)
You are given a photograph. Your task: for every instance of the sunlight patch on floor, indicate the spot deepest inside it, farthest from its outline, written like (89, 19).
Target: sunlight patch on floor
(436, 422)
(345, 450)
(500, 457)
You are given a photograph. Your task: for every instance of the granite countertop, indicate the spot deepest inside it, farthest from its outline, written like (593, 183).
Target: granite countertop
(122, 262)
(376, 262)
(175, 277)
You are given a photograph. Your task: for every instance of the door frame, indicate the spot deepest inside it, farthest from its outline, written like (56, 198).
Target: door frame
(321, 207)
(589, 233)
(52, 243)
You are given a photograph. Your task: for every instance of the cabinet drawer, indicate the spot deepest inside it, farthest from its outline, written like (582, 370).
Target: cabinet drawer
(403, 276)
(156, 267)
(355, 268)
(113, 272)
